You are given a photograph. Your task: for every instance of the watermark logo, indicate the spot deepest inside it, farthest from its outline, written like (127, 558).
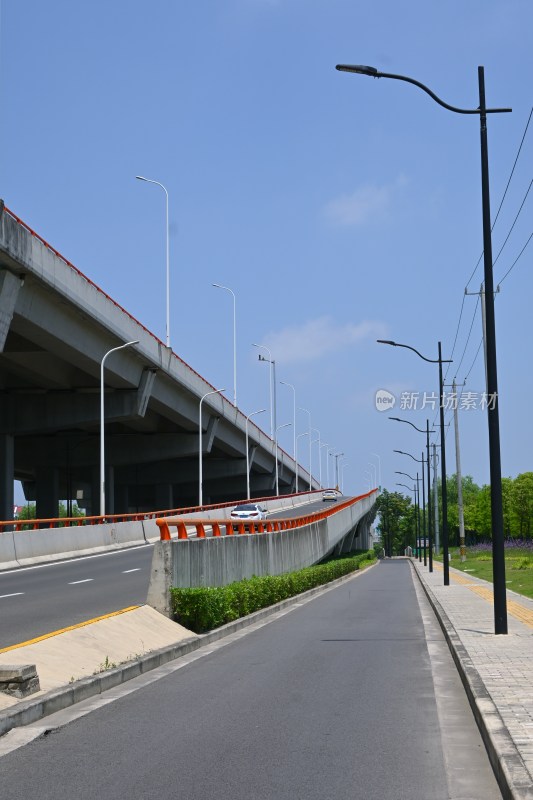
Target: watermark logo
(451, 401)
(385, 401)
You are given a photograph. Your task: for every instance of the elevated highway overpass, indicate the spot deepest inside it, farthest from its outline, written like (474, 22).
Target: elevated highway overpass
(55, 327)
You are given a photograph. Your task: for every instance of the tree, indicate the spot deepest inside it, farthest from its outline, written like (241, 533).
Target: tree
(396, 522)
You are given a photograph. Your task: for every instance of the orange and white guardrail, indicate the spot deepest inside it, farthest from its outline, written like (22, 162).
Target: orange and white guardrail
(239, 527)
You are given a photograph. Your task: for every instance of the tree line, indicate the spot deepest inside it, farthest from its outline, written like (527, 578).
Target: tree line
(397, 515)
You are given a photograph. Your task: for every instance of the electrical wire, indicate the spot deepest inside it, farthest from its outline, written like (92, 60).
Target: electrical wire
(516, 259)
(505, 192)
(514, 223)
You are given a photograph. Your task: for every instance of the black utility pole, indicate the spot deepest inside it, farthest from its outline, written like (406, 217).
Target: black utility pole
(498, 552)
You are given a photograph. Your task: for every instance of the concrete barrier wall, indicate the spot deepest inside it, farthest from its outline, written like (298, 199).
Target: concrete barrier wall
(35, 547)
(8, 558)
(22, 548)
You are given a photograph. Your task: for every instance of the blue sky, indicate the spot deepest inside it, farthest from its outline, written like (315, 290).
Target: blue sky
(339, 209)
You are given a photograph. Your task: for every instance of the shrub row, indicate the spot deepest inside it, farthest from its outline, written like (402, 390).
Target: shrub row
(204, 608)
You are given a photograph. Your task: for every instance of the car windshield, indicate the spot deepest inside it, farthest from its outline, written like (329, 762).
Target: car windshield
(246, 507)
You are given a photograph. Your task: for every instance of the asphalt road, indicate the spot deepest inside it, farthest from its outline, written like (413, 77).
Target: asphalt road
(335, 699)
(48, 597)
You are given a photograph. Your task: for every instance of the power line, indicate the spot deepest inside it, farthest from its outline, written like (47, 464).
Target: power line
(516, 259)
(505, 192)
(514, 222)
(469, 335)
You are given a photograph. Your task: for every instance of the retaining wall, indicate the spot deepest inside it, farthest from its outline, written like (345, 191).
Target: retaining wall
(217, 561)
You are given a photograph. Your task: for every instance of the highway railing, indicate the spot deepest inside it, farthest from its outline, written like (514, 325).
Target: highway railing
(74, 522)
(238, 527)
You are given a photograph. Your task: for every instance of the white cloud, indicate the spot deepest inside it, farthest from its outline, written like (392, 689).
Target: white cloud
(319, 337)
(364, 204)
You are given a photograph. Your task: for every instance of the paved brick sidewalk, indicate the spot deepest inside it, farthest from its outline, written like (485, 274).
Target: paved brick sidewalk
(497, 670)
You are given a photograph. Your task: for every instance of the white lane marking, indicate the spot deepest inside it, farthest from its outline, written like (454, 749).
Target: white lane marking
(15, 594)
(125, 571)
(85, 580)
(73, 560)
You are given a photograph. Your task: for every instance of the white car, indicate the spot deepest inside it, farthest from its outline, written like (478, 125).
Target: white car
(329, 494)
(249, 511)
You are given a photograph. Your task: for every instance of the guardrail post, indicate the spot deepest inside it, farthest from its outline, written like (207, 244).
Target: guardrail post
(216, 528)
(200, 530)
(229, 529)
(164, 532)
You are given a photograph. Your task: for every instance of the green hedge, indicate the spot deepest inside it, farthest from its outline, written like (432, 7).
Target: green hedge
(205, 608)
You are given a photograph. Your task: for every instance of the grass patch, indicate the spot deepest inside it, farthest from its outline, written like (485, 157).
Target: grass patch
(204, 608)
(518, 567)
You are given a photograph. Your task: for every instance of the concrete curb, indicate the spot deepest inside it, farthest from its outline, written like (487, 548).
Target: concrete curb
(512, 775)
(33, 710)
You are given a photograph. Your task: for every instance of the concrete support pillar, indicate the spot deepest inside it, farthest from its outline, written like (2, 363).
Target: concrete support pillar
(7, 477)
(164, 497)
(47, 492)
(121, 499)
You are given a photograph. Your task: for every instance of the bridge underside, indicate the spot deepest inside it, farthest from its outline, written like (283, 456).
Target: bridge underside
(55, 327)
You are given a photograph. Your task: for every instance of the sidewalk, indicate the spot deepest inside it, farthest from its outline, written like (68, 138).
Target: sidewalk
(497, 670)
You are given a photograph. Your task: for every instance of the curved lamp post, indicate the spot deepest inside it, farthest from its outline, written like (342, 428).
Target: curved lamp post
(440, 361)
(149, 180)
(416, 489)
(200, 470)
(414, 494)
(428, 455)
(420, 461)
(261, 410)
(102, 443)
(227, 289)
(498, 552)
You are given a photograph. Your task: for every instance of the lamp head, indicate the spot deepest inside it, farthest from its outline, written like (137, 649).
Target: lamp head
(140, 178)
(386, 341)
(360, 69)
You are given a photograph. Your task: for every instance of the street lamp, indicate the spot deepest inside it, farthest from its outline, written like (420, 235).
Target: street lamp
(440, 361)
(310, 429)
(420, 461)
(315, 430)
(326, 445)
(416, 489)
(374, 473)
(149, 180)
(336, 456)
(102, 444)
(414, 494)
(200, 472)
(498, 551)
(261, 410)
(430, 522)
(343, 467)
(227, 289)
(272, 363)
(293, 416)
(306, 433)
(285, 425)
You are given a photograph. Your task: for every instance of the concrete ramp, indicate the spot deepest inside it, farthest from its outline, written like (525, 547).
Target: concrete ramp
(217, 561)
